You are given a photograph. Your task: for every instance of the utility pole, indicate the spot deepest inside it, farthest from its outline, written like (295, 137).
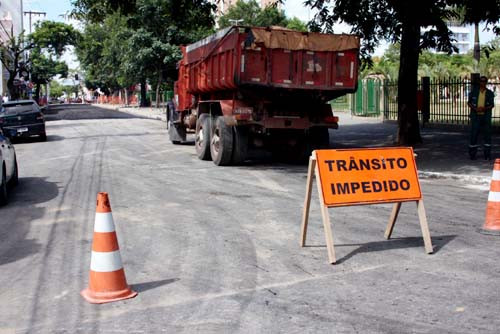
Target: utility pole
(31, 13)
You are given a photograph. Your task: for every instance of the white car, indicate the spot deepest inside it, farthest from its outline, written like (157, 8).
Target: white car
(8, 167)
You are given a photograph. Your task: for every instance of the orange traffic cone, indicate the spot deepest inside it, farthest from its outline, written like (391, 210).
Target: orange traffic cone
(492, 222)
(107, 282)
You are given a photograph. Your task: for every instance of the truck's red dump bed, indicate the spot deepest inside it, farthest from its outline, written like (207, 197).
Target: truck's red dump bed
(270, 57)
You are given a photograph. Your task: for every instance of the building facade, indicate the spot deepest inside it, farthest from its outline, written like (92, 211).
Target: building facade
(11, 24)
(463, 35)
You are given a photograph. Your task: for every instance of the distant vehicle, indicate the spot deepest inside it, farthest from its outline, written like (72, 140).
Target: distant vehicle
(22, 118)
(8, 167)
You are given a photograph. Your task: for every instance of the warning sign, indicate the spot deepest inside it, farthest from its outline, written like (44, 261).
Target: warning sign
(363, 176)
(368, 176)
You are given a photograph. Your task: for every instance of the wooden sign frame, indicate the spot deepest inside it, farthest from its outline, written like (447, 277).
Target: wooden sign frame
(313, 171)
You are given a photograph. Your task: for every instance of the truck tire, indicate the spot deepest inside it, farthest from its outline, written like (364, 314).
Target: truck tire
(202, 137)
(240, 145)
(221, 142)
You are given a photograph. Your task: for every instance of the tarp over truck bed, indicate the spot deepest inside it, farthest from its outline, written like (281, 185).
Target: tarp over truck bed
(281, 38)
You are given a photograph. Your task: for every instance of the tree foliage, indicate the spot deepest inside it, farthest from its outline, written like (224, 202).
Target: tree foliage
(138, 41)
(46, 44)
(401, 21)
(12, 58)
(252, 14)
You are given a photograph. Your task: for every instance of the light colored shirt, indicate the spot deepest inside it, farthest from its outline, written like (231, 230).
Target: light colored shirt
(481, 99)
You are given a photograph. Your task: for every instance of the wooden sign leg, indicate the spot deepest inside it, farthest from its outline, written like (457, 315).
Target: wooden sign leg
(326, 221)
(392, 220)
(424, 227)
(307, 200)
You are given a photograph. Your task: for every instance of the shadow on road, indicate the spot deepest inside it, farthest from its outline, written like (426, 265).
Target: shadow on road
(396, 243)
(32, 190)
(141, 287)
(17, 215)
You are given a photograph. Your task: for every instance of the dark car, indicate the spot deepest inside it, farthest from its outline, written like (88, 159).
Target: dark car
(8, 167)
(22, 118)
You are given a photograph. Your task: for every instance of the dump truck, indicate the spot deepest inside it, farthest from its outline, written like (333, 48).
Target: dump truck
(261, 87)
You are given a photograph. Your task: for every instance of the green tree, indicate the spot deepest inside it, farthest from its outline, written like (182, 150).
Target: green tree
(101, 53)
(44, 68)
(296, 24)
(58, 90)
(146, 39)
(49, 41)
(12, 58)
(399, 21)
(252, 14)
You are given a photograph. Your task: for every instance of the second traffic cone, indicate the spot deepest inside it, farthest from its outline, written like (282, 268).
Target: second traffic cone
(492, 222)
(107, 282)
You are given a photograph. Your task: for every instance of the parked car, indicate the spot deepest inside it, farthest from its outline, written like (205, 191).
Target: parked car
(8, 167)
(22, 118)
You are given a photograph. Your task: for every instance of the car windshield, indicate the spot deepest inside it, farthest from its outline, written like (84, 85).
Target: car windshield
(18, 108)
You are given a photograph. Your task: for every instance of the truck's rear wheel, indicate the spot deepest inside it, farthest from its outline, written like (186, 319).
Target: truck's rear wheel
(240, 145)
(221, 142)
(202, 137)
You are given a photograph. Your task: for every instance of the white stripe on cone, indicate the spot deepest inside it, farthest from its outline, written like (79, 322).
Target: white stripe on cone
(106, 261)
(104, 222)
(494, 196)
(496, 175)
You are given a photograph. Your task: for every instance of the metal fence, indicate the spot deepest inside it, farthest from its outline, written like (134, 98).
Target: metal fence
(448, 101)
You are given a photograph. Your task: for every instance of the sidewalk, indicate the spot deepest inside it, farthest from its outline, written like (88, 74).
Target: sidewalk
(443, 153)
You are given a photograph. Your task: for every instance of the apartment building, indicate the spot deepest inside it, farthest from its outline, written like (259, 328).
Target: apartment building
(463, 36)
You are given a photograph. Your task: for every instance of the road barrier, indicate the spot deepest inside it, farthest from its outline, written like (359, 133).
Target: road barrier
(107, 282)
(364, 176)
(492, 221)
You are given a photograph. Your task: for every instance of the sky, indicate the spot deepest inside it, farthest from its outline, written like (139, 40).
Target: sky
(56, 9)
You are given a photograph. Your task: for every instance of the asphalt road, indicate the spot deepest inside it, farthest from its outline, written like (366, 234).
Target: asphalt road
(216, 250)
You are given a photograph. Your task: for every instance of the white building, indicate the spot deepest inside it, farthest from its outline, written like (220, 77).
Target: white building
(463, 35)
(11, 24)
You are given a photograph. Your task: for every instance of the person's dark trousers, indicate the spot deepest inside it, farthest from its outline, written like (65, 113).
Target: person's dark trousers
(480, 123)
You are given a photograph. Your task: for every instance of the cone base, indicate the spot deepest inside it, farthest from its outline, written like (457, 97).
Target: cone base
(107, 297)
(489, 232)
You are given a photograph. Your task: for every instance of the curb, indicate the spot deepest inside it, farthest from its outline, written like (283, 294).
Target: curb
(473, 179)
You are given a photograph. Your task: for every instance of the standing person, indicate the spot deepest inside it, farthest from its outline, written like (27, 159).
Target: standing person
(481, 102)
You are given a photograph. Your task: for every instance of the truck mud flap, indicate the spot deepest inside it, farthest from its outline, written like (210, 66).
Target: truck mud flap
(176, 130)
(176, 133)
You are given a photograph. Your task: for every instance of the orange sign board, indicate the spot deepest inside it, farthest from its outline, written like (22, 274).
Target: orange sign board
(368, 176)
